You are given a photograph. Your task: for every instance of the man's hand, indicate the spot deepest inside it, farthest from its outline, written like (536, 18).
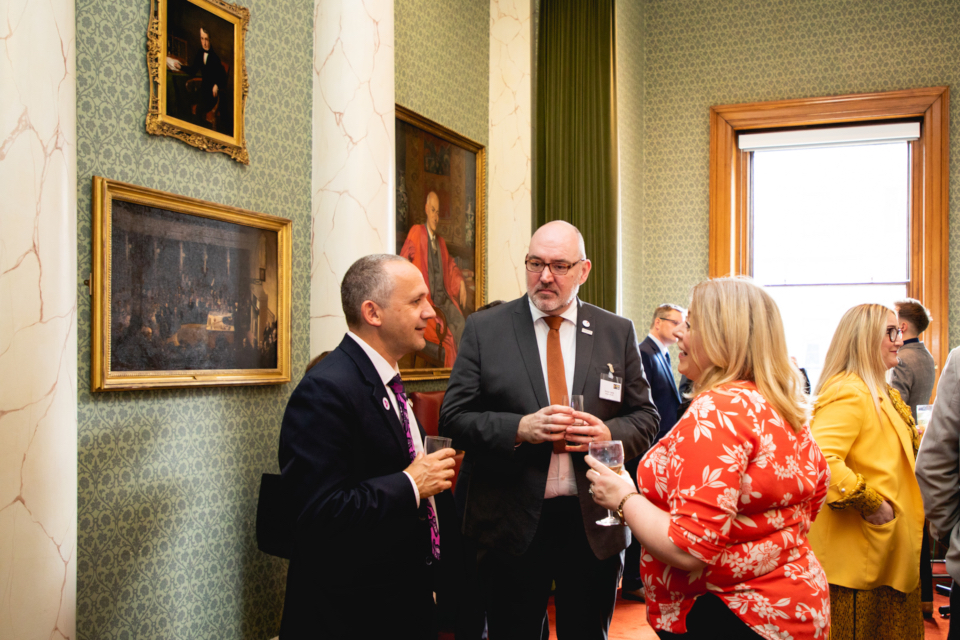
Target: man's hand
(463, 295)
(546, 425)
(173, 64)
(883, 515)
(215, 90)
(587, 428)
(432, 473)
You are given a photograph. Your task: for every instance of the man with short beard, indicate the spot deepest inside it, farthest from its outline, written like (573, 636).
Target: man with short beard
(506, 406)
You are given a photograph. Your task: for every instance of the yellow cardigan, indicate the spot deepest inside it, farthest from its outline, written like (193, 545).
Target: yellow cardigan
(855, 440)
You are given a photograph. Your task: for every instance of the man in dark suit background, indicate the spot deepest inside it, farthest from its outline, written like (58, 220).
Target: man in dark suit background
(351, 458)
(655, 356)
(527, 503)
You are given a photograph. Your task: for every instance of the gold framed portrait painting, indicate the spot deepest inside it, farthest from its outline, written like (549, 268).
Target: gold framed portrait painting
(440, 226)
(198, 74)
(186, 292)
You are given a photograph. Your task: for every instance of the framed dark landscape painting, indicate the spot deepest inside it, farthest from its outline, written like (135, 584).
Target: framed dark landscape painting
(186, 292)
(440, 225)
(198, 74)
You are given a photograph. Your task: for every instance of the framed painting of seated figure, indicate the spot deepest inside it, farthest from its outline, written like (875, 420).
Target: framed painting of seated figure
(198, 88)
(440, 222)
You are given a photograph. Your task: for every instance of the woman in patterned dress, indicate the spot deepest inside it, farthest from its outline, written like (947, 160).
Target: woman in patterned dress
(727, 497)
(869, 539)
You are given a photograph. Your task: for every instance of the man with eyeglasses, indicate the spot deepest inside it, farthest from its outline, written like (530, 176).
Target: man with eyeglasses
(655, 355)
(527, 504)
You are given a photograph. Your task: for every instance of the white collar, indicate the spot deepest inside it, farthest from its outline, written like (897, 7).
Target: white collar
(570, 314)
(663, 348)
(385, 370)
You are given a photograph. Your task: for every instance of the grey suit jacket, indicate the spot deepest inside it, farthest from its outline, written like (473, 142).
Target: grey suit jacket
(496, 380)
(914, 376)
(938, 463)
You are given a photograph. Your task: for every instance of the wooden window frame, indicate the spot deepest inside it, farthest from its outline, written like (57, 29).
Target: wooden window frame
(930, 189)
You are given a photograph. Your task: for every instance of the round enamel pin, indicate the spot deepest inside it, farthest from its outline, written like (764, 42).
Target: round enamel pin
(586, 323)
(386, 404)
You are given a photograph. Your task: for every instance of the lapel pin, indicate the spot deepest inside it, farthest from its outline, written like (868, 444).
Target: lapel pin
(587, 331)
(386, 404)
(586, 323)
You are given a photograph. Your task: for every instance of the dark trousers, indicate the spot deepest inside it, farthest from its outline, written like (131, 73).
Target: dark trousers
(926, 569)
(711, 619)
(631, 559)
(517, 588)
(406, 609)
(954, 633)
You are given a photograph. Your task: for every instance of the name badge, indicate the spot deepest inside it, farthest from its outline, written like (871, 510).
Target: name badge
(611, 388)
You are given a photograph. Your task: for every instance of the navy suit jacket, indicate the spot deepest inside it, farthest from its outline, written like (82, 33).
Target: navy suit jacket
(496, 380)
(342, 455)
(663, 388)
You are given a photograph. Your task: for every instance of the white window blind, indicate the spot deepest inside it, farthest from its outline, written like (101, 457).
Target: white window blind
(832, 137)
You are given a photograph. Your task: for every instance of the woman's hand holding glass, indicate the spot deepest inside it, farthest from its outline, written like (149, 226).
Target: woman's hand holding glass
(608, 487)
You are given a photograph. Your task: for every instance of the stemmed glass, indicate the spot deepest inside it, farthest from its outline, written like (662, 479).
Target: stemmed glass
(609, 453)
(575, 402)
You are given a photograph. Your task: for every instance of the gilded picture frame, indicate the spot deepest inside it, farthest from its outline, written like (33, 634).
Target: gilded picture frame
(186, 293)
(198, 74)
(440, 224)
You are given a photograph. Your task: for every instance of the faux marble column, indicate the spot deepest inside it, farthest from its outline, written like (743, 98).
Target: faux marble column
(38, 306)
(509, 172)
(354, 162)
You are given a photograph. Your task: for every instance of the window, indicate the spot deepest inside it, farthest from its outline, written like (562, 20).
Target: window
(830, 229)
(824, 250)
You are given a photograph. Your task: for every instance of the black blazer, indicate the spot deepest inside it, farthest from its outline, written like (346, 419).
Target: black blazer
(496, 380)
(663, 388)
(342, 455)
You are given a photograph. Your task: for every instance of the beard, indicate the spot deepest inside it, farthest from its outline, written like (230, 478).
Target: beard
(551, 304)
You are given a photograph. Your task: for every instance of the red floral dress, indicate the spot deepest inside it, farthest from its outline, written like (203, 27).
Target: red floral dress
(741, 489)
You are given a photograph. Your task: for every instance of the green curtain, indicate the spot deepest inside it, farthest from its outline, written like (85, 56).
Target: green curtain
(576, 154)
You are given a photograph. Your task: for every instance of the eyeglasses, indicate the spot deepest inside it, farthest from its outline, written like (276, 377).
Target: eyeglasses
(556, 268)
(675, 323)
(893, 333)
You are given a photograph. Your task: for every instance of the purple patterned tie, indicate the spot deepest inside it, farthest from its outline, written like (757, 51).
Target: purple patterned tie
(396, 384)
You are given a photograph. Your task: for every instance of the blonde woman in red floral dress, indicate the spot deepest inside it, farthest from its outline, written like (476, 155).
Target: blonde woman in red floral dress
(727, 497)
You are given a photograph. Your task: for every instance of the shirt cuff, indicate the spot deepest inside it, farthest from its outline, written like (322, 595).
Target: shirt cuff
(416, 492)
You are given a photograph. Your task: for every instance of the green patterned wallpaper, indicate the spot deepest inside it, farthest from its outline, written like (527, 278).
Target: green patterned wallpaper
(442, 68)
(442, 62)
(168, 479)
(700, 53)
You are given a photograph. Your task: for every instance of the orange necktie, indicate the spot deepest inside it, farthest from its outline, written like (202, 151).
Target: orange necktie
(556, 376)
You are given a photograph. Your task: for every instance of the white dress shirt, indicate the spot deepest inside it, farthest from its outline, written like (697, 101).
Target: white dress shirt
(560, 478)
(663, 348)
(386, 371)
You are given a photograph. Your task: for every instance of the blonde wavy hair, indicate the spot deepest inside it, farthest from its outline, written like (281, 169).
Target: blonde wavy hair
(855, 348)
(741, 334)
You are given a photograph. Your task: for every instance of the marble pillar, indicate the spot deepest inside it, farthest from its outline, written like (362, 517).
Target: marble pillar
(354, 162)
(509, 165)
(38, 323)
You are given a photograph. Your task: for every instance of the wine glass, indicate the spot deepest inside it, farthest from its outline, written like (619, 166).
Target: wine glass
(609, 453)
(575, 403)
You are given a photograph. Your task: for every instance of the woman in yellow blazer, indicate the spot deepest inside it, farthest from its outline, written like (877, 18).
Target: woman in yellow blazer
(868, 541)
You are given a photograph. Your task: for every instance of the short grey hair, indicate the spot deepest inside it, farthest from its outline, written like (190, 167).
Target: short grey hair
(366, 279)
(666, 308)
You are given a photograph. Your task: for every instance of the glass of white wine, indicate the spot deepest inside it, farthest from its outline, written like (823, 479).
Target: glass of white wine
(610, 453)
